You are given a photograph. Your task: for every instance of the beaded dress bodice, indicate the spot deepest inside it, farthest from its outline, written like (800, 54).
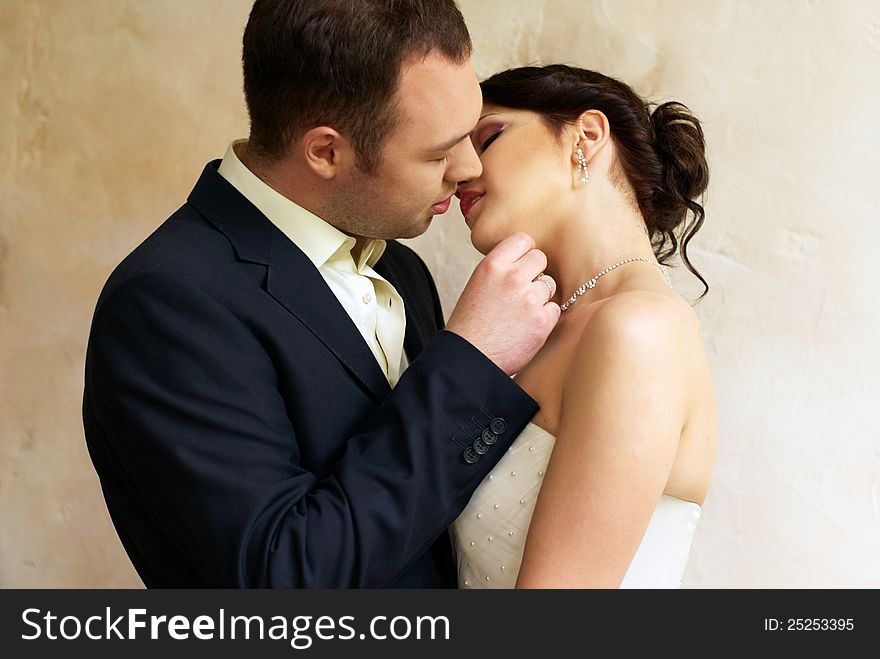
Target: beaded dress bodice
(489, 536)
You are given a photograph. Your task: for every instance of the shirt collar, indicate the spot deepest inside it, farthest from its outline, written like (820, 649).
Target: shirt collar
(319, 240)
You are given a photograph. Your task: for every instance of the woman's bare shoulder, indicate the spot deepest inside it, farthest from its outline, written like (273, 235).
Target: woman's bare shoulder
(641, 320)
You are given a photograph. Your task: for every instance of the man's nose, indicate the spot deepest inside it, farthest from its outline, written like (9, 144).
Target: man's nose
(467, 165)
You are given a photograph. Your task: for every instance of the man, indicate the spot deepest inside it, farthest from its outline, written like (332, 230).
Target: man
(246, 405)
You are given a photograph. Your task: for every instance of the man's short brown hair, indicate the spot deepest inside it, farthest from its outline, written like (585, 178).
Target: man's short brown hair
(309, 63)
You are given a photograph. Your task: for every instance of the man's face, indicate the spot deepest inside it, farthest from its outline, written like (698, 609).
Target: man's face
(423, 158)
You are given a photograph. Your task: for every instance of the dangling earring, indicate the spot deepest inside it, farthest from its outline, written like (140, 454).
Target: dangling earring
(582, 167)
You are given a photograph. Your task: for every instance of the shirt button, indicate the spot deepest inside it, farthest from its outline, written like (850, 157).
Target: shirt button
(367, 298)
(498, 426)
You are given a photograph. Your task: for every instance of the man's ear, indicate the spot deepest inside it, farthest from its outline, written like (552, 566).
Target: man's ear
(592, 132)
(327, 152)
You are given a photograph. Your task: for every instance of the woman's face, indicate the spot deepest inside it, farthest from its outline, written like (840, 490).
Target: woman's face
(526, 181)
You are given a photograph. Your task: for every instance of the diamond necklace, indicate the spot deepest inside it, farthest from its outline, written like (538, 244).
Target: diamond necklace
(591, 283)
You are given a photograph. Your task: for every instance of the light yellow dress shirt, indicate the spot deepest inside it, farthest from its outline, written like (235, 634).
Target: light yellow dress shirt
(372, 303)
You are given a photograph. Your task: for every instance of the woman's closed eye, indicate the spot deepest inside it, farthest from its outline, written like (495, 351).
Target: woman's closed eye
(485, 134)
(488, 141)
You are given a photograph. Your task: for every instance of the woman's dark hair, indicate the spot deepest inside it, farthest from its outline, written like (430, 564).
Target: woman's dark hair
(661, 152)
(309, 63)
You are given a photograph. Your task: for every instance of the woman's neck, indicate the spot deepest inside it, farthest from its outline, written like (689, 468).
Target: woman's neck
(594, 236)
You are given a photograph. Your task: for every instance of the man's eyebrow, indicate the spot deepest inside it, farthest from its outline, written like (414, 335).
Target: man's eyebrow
(451, 143)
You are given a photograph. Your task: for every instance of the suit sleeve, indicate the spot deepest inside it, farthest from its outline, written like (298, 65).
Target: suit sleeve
(188, 402)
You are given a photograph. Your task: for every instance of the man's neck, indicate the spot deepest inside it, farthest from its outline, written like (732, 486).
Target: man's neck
(282, 175)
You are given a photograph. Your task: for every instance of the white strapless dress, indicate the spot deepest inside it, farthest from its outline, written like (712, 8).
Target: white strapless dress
(490, 534)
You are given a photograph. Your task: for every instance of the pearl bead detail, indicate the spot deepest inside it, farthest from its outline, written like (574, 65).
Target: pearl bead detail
(525, 470)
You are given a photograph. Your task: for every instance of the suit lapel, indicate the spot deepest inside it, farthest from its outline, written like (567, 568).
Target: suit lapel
(418, 330)
(292, 279)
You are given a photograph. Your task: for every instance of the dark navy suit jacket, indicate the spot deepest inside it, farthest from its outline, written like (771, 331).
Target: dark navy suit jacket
(244, 434)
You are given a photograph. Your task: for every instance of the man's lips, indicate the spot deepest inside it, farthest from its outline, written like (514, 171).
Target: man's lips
(468, 199)
(441, 207)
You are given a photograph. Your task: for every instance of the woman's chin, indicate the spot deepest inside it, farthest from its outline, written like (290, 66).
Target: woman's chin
(479, 246)
(487, 229)
(484, 244)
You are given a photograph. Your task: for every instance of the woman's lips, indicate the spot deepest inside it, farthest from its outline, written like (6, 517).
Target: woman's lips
(467, 203)
(441, 207)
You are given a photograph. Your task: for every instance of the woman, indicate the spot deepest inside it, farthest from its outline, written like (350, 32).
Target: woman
(623, 447)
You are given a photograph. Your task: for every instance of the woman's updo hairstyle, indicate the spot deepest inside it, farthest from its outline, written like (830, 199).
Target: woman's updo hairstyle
(661, 152)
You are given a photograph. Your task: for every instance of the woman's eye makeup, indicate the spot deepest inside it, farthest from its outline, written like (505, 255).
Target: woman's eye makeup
(489, 140)
(486, 135)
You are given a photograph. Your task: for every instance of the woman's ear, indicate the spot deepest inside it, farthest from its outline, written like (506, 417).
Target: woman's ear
(592, 132)
(327, 152)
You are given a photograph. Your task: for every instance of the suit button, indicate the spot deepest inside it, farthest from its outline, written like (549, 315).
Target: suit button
(470, 455)
(480, 446)
(498, 426)
(489, 437)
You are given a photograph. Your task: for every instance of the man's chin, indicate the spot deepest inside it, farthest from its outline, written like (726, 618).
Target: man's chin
(417, 229)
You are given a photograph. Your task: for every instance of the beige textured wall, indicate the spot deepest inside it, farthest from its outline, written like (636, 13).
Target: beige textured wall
(110, 109)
